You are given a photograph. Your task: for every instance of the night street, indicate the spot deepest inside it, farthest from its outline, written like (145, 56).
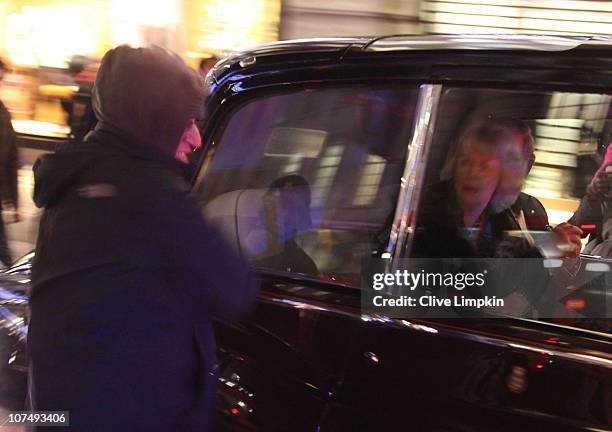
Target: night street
(306, 215)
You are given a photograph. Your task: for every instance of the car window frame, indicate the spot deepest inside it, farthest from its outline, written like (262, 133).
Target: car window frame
(215, 126)
(405, 248)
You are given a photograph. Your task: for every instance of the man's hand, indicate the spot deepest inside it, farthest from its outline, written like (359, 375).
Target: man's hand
(569, 239)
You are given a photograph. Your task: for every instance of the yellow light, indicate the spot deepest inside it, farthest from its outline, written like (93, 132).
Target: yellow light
(50, 35)
(518, 16)
(231, 25)
(142, 12)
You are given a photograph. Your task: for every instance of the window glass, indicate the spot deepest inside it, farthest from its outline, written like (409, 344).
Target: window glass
(306, 182)
(507, 171)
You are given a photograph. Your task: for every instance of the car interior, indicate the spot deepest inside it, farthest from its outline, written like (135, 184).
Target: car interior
(350, 164)
(348, 148)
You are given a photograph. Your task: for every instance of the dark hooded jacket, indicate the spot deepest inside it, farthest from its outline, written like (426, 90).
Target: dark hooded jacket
(127, 274)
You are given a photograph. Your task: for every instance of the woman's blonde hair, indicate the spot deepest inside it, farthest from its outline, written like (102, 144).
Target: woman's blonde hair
(491, 136)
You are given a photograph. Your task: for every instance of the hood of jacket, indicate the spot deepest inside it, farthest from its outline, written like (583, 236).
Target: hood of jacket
(56, 173)
(147, 96)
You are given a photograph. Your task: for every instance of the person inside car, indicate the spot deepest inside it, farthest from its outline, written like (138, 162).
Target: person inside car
(457, 219)
(596, 209)
(286, 210)
(525, 212)
(460, 217)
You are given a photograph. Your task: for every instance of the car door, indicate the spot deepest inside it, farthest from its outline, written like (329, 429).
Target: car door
(278, 370)
(303, 182)
(546, 370)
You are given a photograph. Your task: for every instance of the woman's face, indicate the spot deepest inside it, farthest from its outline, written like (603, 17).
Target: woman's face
(477, 175)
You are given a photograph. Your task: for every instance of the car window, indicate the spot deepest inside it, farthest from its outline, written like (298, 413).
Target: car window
(476, 202)
(306, 182)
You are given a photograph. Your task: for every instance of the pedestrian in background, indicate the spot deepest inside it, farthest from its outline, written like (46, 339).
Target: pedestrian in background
(127, 274)
(81, 117)
(8, 174)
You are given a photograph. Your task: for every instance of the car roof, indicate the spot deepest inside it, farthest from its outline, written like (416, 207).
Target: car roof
(495, 42)
(592, 51)
(569, 62)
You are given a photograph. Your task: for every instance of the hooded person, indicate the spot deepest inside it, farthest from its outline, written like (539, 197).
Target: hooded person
(127, 274)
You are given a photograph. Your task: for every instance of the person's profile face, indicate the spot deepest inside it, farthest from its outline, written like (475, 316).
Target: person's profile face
(477, 174)
(190, 140)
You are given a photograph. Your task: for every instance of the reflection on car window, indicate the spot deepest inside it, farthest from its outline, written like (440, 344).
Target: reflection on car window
(304, 182)
(518, 174)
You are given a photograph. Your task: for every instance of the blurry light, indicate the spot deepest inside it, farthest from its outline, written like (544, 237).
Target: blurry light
(575, 304)
(298, 305)
(552, 263)
(237, 24)
(557, 216)
(241, 404)
(530, 348)
(234, 411)
(553, 340)
(420, 327)
(12, 359)
(597, 267)
(17, 321)
(540, 366)
(164, 13)
(247, 61)
(477, 20)
(373, 357)
(50, 35)
(386, 255)
(458, 16)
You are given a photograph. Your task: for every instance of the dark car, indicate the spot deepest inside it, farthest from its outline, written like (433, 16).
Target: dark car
(317, 158)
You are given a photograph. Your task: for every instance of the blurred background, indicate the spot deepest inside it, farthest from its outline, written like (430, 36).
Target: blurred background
(52, 50)
(42, 39)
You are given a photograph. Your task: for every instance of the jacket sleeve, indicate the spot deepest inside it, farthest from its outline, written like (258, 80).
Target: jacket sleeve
(589, 212)
(535, 213)
(216, 277)
(8, 160)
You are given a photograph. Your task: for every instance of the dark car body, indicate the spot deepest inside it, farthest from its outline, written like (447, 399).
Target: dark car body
(309, 359)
